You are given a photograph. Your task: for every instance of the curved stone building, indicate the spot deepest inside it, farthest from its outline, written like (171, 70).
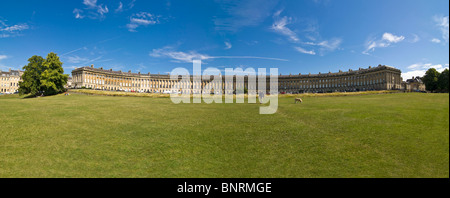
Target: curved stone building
(9, 81)
(373, 78)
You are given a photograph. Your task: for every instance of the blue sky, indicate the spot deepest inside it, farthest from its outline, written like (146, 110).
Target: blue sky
(308, 36)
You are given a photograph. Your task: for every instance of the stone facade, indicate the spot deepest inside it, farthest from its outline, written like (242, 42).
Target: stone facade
(414, 84)
(373, 78)
(9, 81)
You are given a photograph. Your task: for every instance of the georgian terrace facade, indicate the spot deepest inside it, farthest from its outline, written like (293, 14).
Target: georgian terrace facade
(9, 81)
(373, 78)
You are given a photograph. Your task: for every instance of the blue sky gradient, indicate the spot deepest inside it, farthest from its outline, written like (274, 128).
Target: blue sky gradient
(308, 36)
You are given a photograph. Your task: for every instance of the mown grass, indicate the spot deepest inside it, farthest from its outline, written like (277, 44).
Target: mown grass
(159, 95)
(387, 135)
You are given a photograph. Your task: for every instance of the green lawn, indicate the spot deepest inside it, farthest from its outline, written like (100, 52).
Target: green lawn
(388, 135)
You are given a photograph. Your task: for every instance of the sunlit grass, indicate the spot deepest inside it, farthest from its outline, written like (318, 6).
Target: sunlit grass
(381, 135)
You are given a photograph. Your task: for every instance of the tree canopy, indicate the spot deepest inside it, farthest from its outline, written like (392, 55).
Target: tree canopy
(431, 80)
(43, 76)
(435, 81)
(443, 81)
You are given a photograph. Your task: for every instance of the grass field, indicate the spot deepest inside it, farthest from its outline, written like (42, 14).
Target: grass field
(387, 135)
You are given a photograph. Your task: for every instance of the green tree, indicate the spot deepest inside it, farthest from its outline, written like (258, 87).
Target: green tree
(53, 78)
(31, 83)
(431, 80)
(443, 81)
(43, 76)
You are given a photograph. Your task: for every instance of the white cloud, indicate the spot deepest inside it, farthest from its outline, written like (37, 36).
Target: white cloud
(410, 74)
(93, 10)
(392, 38)
(228, 45)
(120, 8)
(326, 46)
(435, 40)
(16, 28)
(442, 23)
(419, 69)
(11, 30)
(386, 40)
(78, 13)
(330, 45)
(90, 3)
(188, 57)
(132, 27)
(179, 56)
(424, 66)
(102, 10)
(3, 57)
(142, 19)
(279, 26)
(304, 51)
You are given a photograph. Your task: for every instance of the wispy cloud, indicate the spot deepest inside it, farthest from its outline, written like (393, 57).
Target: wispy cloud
(419, 69)
(327, 45)
(179, 56)
(91, 10)
(386, 40)
(142, 19)
(425, 66)
(392, 38)
(280, 26)
(11, 30)
(15, 28)
(78, 13)
(240, 14)
(2, 57)
(435, 40)
(415, 39)
(131, 4)
(120, 8)
(76, 59)
(228, 45)
(188, 57)
(304, 51)
(248, 57)
(442, 23)
(75, 50)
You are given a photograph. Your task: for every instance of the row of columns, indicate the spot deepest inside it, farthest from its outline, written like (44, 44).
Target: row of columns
(379, 81)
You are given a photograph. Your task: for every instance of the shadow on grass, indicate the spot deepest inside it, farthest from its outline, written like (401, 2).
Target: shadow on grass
(34, 96)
